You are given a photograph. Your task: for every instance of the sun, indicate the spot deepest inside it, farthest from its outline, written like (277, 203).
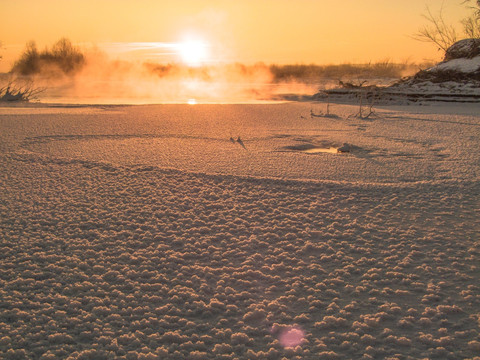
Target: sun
(193, 52)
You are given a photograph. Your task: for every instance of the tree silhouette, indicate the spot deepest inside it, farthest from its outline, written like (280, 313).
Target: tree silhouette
(63, 57)
(437, 31)
(471, 24)
(443, 34)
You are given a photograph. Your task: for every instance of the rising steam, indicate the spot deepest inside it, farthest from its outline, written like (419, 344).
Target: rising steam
(69, 75)
(104, 80)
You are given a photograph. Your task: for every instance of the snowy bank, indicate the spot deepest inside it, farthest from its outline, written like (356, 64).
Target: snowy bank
(455, 79)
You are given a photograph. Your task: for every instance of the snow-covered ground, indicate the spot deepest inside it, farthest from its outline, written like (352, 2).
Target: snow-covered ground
(455, 79)
(225, 231)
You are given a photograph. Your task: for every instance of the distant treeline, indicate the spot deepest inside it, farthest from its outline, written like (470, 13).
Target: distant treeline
(63, 57)
(312, 73)
(299, 73)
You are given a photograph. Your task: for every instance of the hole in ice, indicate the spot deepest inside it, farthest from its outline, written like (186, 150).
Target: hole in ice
(313, 149)
(331, 150)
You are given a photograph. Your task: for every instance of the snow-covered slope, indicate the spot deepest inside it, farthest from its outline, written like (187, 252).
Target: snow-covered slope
(463, 66)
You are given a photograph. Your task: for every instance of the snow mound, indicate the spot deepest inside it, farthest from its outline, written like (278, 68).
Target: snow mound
(461, 64)
(466, 48)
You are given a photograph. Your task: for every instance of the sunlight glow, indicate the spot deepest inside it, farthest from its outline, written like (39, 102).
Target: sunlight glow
(193, 52)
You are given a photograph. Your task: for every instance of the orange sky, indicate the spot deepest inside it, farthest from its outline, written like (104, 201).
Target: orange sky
(271, 31)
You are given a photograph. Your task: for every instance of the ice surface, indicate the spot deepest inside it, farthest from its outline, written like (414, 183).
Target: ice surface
(145, 232)
(198, 139)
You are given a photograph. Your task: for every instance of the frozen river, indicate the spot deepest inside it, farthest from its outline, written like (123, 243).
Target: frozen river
(227, 231)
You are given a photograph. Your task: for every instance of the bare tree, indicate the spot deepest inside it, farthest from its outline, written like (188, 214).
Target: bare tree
(437, 31)
(471, 27)
(471, 24)
(474, 7)
(443, 34)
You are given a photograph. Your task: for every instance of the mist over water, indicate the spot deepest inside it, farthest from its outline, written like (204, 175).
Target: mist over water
(101, 80)
(105, 81)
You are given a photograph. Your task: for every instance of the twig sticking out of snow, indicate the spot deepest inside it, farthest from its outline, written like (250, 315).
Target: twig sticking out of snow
(241, 142)
(327, 114)
(369, 112)
(238, 140)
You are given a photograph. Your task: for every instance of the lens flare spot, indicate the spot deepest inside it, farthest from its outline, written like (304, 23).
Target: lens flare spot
(291, 337)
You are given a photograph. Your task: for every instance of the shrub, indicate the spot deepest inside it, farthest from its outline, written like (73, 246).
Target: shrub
(62, 57)
(18, 90)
